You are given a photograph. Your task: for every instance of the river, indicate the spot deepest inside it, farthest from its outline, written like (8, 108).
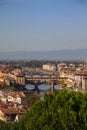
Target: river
(42, 88)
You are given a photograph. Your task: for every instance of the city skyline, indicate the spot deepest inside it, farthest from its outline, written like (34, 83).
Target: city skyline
(35, 25)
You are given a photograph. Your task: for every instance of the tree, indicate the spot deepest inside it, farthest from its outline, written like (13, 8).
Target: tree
(62, 110)
(3, 126)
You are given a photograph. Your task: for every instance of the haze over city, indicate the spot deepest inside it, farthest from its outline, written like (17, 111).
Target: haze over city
(42, 25)
(43, 64)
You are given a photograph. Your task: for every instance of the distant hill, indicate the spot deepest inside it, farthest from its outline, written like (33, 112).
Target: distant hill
(78, 54)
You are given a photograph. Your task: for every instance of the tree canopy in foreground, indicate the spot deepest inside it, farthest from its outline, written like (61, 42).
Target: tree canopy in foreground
(62, 110)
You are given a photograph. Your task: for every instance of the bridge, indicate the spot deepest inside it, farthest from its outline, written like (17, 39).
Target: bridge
(51, 80)
(41, 78)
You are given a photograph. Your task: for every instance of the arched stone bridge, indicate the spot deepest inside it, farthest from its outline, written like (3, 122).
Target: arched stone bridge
(43, 80)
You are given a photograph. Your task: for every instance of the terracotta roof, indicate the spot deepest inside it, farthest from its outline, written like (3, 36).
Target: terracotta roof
(12, 94)
(9, 111)
(82, 73)
(85, 77)
(21, 94)
(12, 110)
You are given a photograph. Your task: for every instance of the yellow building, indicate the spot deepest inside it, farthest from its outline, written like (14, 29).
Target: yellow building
(2, 74)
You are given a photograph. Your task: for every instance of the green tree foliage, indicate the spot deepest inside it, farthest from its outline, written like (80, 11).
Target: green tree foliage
(32, 100)
(63, 110)
(3, 126)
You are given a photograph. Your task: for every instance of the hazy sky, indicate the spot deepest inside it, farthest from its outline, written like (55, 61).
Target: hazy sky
(36, 25)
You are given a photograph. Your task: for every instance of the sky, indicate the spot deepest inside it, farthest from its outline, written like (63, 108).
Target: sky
(42, 25)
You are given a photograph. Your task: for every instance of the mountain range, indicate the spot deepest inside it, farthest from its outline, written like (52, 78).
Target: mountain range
(77, 54)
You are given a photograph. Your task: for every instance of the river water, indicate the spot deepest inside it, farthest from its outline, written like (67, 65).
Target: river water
(42, 88)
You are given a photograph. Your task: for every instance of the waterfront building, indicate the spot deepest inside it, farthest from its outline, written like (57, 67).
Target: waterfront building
(83, 76)
(20, 79)
(84, 83)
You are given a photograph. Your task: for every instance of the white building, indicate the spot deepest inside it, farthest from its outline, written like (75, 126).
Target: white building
(61, 65)
(49, 66)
